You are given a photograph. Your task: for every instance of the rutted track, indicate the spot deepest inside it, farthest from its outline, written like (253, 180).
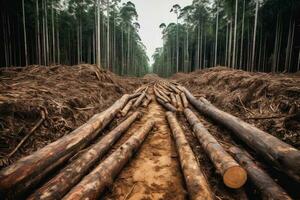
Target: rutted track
(160, 169)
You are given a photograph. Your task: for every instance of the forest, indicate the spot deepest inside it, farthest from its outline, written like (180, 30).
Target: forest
(150, 99)
(253, 35)
(72, 32)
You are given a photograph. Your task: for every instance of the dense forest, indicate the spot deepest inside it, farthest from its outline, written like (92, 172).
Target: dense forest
(253, 35)
(46, 32)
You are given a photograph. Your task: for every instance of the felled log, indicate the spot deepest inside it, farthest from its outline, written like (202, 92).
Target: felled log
(166, 105)
(126, 109)
(196, 183)
(58, 186)
(179, 103)
(184, 100)
(174, 88)
(92, 185)
(33, 165)
(234, 176)
(268, 187)
(139, 100)
(157, 94)
(283, 156)
(146, 102)
(173, 100)
(163, 94)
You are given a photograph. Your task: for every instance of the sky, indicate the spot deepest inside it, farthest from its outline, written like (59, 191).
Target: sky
(151, 14)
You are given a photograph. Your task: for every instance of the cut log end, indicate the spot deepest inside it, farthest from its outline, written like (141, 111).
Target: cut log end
(235, 177)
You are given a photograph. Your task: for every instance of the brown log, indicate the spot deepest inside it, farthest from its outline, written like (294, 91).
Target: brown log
(34, 164)
(179, 103)
(173, 100)
(139, 100)
(146, 102)
(102, 176)
(58, 186)
(234, 176)
(174, 88)
(163, 94)
(158, 95)
(268, 187)
(196, 182)
(126, 109)
(167, 106)
(184, 100)
(282, 155)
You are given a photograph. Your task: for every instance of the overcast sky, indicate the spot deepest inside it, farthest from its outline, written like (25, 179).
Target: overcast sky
(151, 14)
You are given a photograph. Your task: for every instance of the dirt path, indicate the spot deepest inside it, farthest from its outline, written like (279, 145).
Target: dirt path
(154, 173)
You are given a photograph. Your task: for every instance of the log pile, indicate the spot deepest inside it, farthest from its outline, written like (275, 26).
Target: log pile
(282, 155)
(18, 177)
(195, 180)
(102, 176)
(58, 186)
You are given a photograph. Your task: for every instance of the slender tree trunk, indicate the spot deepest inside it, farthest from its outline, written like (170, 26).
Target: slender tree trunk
(274, 63)
(38, 33)
(226, 45)
(298, 67)
(198, 46)
(279, 47)
(24, 31)
(53, 34)
(234, 36)
(254, 37)
(216, 41)
(242, 37)
(108, 28)
(58, 43)
(177, 46)
(98, 40)
(230, 45)
(291, 47)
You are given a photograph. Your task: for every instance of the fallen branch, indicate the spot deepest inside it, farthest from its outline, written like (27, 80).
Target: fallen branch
(196, 182)
(58, 186)
(282, 155)
(102, 176)
(38, 123)
(234, 176)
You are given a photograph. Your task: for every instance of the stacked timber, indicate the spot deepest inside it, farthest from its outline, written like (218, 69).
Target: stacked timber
(283, 156)
(28, 171)
(59, 185)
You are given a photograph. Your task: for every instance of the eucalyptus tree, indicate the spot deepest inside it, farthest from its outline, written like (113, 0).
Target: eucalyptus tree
(175, 9)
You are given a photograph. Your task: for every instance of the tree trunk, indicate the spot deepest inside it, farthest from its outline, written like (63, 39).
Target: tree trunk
(242, 37)
(107, 35)
(25, 36)
(196, 182)
(38, 33)
(268, 187)
(21, 171)
(101, 177)
(184, 100)
(283, 156)
(234, 176)
(53, 34)
(58, 186)
(254, 37)
(216, 41)
(166, 105)
(234, 35)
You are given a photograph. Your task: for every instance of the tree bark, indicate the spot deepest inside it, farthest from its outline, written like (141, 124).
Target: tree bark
(28, 167)
(196, 182)
(184, 100)
(234, 35)
(234, 176)
(179, 103)
(173, 100)
(254, 37)
(268, 187)
(166, 105)
(58, 186)
(283, 156)
(24, 32)
(102, 176)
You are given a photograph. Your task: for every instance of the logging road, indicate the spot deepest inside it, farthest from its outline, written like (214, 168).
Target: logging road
(181, 152)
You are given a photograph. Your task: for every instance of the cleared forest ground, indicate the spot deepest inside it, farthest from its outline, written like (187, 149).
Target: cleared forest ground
(69, 96)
